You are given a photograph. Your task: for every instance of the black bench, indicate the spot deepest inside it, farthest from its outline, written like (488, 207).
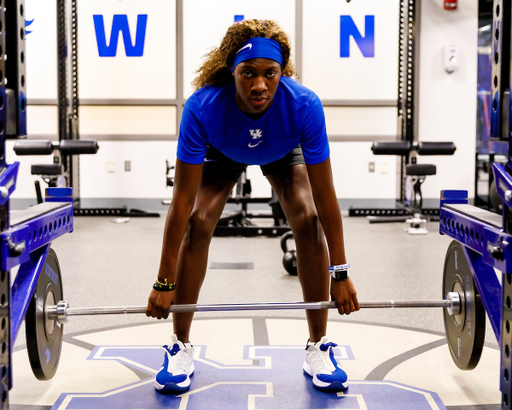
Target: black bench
(50, 173)
(418, 172)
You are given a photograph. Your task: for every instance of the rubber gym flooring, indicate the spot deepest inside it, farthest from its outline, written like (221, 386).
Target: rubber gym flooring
(396, 358)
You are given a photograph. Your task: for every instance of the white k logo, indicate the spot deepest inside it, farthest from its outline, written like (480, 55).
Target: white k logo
(256, 134)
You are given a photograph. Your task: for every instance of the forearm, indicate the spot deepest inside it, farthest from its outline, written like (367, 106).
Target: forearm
(332, 224)
(186, 184)
(175, 227)
(326, 202)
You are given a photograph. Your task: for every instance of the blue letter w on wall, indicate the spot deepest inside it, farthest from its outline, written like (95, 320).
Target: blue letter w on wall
(348, 29)
(120, 24)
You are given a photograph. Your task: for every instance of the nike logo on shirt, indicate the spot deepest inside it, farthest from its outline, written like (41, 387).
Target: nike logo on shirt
(255, 145)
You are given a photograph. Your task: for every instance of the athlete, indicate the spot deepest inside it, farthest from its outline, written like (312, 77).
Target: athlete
(247, 110)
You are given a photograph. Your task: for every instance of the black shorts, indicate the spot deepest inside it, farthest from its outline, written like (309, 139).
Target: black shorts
(217, 163)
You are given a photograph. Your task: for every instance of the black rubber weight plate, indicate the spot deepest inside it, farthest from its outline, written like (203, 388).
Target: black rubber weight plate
(465, 333)
(44, 338)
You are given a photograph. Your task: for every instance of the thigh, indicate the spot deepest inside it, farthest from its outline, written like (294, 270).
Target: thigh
(293, 189)
(211, 197)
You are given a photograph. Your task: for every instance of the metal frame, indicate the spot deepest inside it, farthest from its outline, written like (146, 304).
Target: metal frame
(487, 237)
(408, 80)
(486, 247)
(25, 237)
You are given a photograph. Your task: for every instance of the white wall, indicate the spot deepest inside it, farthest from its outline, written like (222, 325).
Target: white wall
(448, 101)
(446, 111)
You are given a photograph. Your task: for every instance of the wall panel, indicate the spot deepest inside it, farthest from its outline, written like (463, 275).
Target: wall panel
(206, 23)
(355, 77)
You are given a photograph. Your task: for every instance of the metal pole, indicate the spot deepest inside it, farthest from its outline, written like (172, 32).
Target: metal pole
(62, 311)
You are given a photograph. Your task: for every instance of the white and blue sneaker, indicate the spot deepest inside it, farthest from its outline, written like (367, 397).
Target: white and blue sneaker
(321, 365)
(174, 376)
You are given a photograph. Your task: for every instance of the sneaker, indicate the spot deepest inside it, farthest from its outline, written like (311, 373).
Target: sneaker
(174, 376)
(321, 365)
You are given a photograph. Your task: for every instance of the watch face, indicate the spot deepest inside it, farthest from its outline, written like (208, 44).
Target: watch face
(339, 275)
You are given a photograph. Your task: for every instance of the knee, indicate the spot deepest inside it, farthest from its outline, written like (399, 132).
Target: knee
(307, 227)
(200, 228)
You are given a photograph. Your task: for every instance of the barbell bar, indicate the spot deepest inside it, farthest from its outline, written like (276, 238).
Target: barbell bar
(62, 311)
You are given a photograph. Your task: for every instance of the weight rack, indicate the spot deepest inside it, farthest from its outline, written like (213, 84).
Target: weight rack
(486, 238)
(25, 236)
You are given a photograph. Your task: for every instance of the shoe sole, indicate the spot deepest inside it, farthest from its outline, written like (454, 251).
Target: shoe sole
(333, 387)
(173, 388)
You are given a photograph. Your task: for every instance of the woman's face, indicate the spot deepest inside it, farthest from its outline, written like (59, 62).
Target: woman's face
(256, 84)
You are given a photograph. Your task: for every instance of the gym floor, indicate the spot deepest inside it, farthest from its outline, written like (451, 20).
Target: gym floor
(395, 358)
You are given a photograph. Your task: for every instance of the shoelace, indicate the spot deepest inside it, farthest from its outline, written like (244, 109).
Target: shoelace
(326, 346)
(175, 349)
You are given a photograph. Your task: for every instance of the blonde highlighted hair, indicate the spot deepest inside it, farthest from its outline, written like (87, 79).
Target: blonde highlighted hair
(216, 69)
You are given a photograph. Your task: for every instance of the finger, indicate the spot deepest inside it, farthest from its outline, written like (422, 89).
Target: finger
(166, 313)
(341, 310)
(352, 306)
(148, 309)
(153, 311)
(347, 308)
(356, 303)
(159, 313)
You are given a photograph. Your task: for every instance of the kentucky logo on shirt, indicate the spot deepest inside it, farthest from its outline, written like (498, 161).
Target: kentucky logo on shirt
(256, 134)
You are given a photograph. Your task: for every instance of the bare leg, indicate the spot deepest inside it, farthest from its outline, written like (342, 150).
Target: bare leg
(294, 192)
(193, 256)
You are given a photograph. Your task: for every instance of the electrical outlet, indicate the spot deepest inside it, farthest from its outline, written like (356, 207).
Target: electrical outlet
(111, 166)
(127, 166)
(371, 167)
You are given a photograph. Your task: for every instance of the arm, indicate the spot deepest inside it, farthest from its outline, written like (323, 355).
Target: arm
(324, 195)
(186, 183)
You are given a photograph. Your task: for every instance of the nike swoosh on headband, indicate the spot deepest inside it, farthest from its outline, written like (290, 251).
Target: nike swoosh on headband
(249, 46)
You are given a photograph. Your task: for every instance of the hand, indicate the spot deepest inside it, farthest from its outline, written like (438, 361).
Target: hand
(344, 294)
(159, 304)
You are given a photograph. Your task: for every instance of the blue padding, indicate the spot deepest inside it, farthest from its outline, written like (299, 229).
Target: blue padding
(454, 194)
(61, 192)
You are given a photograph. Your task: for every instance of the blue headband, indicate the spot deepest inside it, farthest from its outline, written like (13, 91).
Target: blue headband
(259, 47)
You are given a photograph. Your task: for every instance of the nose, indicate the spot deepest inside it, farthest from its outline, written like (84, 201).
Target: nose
(259, 85)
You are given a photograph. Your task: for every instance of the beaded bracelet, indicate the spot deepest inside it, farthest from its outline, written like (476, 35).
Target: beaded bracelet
(164, 287)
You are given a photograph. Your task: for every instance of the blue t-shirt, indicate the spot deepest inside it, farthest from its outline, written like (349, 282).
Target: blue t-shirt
(211, 116)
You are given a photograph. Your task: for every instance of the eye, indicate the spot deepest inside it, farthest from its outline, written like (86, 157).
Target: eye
(271, 74)
(247, 73)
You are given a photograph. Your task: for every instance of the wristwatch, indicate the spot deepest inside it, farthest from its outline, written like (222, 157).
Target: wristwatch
(339, 272)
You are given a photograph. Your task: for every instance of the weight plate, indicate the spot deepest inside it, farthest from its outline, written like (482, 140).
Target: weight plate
(44, 337)
(465, 333)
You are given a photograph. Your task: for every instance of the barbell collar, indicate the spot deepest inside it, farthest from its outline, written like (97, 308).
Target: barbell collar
(62, 311)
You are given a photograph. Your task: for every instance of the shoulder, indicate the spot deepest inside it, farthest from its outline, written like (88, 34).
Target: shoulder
(297, 92)
(208, 95)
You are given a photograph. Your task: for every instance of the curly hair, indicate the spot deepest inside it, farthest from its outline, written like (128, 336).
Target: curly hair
(216, 69)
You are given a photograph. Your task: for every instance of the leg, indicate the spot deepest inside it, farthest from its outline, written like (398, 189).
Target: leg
(193, 256)
(294, 191)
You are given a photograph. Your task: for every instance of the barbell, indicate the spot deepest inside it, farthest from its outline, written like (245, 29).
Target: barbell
(61, 312)
(462, 310)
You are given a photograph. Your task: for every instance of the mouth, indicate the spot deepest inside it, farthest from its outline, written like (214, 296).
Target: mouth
(259, 100)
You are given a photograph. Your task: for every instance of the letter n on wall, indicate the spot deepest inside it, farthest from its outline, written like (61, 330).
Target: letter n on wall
(349, 29)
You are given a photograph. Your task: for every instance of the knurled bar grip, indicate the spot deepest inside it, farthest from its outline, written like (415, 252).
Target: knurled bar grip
(62, 311)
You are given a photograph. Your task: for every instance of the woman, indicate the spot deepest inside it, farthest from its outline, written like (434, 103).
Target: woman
(248, 110)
